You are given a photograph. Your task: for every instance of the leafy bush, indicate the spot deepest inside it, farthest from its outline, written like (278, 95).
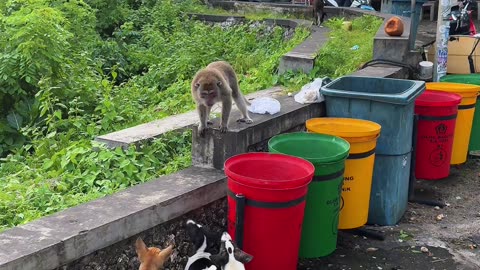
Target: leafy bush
(43, 45)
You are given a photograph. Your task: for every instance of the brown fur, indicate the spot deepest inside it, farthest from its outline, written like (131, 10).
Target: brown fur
(152, 258)
(218, 83)
(318, 14)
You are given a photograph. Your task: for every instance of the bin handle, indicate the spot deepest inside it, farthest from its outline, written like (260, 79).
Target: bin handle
(242, 201)
(239, 219)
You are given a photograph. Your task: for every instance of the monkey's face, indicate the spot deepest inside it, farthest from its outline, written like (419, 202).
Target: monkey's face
(208, 92)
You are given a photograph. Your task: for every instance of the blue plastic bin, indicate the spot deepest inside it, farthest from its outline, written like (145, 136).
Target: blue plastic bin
(404, 8)
(390, 103)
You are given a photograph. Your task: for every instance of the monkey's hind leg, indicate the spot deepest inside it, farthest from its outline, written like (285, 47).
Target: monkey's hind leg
(242, 106)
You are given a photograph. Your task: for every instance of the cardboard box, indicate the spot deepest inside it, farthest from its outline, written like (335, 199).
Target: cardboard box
(458, 51)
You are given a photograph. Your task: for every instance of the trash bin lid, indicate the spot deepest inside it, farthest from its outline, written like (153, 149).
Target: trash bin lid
(463, 89)
(314, 147)
(269, 170)
(462, 78)
(344, 127)
(438, 99)
(387, 90)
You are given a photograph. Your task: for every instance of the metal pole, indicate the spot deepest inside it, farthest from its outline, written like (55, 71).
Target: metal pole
(443, 27)
(414, 23)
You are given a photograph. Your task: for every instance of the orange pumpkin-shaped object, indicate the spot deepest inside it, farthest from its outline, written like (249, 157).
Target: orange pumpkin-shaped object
(394, 26)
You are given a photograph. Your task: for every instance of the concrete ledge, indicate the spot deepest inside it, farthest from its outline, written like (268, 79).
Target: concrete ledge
(290, 23)
(151, 130)
(382, 72)
(55, 240)
(213, 149)
(215, 18)
(302, 58)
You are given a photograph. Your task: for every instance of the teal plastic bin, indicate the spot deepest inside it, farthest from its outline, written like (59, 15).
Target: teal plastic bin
(390, 103)
(404, 8)
(474, 145)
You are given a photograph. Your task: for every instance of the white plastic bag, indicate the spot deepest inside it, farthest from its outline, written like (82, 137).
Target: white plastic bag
(264, 105)
(310, 92)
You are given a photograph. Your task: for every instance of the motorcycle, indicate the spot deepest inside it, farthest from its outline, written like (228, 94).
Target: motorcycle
(461, 21)
(363, 4)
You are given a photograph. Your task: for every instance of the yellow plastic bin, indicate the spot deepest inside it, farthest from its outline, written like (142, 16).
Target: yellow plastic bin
(466, 110)
(362, 136)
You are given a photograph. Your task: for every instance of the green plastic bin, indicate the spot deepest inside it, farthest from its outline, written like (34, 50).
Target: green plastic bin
(328, 154)
(474, 144)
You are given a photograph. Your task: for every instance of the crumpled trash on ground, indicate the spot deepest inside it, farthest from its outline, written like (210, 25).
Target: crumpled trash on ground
(264, 105)
(310, 92)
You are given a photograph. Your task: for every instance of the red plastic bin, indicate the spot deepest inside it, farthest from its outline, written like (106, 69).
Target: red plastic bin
(437, 115)
(266, 202)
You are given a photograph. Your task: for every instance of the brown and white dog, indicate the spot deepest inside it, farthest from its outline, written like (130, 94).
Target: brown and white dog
(152, 258)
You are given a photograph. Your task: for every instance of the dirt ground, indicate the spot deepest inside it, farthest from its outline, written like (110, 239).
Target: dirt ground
(421, 240)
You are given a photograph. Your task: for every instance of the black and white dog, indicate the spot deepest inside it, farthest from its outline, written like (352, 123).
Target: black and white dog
(204, 243)
(230, 256)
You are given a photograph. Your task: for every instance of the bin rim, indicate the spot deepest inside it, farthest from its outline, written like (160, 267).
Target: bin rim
(438, 99)
(402, 98)
(314, 136)
(463, 89)
(471, 78)
(371, 130)
(265, 183)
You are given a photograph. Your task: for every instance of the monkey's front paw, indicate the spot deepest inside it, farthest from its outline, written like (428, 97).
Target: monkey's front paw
(201, 131)
(223, 129)
(245, 120)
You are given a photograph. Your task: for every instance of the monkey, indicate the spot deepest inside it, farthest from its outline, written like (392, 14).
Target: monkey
(218, 83)
(317, 9)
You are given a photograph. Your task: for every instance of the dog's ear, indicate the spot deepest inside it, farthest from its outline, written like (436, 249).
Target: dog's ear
(163, 256)
(242, 256)
(141, 249)
(195, 233)
(220, 259)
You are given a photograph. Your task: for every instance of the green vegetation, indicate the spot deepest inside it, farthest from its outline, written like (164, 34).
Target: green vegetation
(73, 70)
